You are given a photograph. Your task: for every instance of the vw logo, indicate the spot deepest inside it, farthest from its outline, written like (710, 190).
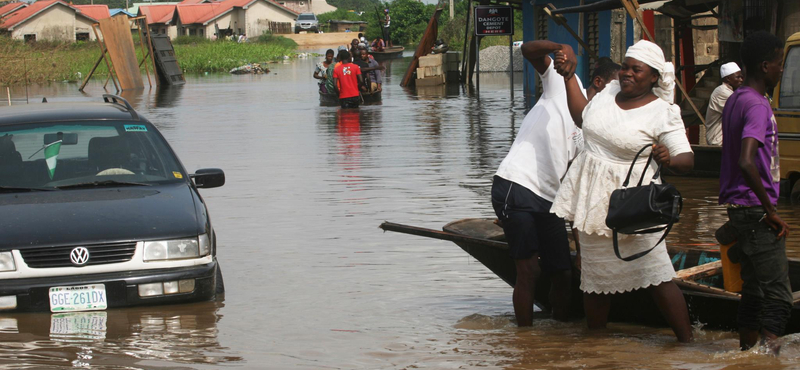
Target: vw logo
(79, 256)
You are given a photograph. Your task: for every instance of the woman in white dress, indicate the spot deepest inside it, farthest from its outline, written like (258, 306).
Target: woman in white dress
(627, 115)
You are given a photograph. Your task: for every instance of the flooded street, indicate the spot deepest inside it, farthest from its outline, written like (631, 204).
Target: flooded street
(312, 283)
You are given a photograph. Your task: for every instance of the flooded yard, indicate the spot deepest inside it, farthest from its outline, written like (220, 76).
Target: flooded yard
(312, 283)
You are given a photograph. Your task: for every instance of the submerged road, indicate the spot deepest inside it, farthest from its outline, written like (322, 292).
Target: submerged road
(312, 283)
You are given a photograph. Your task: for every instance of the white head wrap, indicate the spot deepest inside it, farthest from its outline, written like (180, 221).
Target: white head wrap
(652, 55)
(728, 69)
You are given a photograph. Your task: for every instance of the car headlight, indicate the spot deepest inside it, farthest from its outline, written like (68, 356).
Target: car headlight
(7, 262)
(176, 249)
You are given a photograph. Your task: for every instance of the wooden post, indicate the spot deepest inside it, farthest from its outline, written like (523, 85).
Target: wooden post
(464, 58)
(91, 72)
(144, 55)
(108, 65)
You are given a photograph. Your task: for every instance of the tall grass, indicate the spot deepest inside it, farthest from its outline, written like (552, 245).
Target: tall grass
(44, 61)
(222, 56)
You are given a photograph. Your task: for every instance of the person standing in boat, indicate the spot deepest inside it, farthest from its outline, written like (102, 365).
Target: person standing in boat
(731, 80)
(630, 113)
(347, 78)
(749, 187)
(527, 180)
(321, 71)
(387, 23)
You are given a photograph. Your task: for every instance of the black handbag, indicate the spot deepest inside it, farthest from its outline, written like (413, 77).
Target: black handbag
(643, 209)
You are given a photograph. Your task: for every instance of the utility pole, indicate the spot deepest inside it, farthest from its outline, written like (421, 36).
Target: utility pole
(452, 9)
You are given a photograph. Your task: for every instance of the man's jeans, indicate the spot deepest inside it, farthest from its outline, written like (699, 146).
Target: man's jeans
(766, 293)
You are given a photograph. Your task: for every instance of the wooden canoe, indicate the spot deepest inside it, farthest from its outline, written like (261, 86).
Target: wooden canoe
(699, 272)
(331, 100)
(388, 53)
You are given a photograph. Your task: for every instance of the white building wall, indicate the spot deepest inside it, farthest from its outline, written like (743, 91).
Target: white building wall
(260, 12)
(57, 23)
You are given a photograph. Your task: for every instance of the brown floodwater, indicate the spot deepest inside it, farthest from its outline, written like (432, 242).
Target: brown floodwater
(312, 283)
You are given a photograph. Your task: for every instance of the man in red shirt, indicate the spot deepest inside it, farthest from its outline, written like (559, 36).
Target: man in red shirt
(347, 78)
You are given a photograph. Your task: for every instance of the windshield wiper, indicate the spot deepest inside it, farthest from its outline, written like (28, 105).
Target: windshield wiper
(100, 184)
(15, 189)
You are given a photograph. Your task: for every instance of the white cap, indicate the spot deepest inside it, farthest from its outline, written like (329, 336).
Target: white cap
(728, 69)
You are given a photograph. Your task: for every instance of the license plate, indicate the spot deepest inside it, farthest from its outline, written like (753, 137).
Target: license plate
(78, 298)
(91, 325)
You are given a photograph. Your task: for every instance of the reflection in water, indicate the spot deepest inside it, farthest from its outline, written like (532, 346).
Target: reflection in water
(180, 333)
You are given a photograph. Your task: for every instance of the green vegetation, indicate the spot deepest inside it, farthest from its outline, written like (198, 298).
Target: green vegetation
(222, 56)
(411, 17)
(58, 61)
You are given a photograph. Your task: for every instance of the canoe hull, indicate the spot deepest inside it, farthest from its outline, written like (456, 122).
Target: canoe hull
(388, 53)
(331, 100)
(712, 310)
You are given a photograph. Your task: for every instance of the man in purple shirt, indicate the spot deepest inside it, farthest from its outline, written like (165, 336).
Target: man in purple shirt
(748, 180)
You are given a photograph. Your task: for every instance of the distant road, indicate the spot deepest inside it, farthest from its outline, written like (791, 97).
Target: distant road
(328, 40)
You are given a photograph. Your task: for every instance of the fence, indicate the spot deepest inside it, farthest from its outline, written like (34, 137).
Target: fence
(279, 27)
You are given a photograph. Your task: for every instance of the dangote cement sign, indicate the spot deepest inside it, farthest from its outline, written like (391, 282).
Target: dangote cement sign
(494, 20)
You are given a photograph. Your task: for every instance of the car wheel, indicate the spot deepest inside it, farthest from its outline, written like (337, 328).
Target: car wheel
(219, 285)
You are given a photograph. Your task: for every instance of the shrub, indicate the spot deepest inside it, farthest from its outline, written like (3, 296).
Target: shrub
(270, 38)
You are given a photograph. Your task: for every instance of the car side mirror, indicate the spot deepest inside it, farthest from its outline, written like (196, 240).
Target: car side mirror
(208, 178)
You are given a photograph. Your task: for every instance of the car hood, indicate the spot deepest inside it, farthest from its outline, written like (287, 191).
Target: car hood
(87, 216)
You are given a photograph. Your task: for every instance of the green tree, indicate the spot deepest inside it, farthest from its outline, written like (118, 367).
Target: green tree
(409, 20)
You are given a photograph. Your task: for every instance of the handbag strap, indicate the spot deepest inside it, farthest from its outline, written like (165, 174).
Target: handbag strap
(633, 163)
(677, 204)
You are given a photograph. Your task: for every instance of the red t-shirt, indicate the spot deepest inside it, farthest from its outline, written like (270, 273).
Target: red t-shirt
(348, 82)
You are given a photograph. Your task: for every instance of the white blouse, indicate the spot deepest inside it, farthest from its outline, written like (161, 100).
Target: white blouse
(612, 138)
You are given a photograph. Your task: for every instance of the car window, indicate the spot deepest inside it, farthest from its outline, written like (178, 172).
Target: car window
(790, 82)
(50, 155)
(306, 17)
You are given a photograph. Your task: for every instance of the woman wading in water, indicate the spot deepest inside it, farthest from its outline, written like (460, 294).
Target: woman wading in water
(627, 115)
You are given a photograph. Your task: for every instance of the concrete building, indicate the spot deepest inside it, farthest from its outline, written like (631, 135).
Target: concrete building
(159, 18)
(298, 6)
(347, 26)
(53, 20)
(229, 17)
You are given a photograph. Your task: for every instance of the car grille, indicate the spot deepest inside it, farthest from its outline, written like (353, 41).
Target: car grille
(47, 257)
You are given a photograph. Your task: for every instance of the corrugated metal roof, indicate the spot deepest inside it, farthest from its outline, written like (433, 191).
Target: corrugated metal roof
(157, 13)
(116, 11)
(207, 12)
(28, 12)
(96, 12)
(10, 8)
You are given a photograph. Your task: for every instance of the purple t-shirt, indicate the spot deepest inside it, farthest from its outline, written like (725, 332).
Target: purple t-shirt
(748, 114)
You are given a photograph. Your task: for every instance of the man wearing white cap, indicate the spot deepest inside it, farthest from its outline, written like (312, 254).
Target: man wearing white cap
(731, 80)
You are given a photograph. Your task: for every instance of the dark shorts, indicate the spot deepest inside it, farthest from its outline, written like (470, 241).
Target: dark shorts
(766, 293)
(530, 227)
(352, 102)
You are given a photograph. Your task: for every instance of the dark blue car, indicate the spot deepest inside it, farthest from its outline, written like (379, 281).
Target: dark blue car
(96, 212)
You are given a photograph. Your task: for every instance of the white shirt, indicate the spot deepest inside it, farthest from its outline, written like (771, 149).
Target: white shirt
(714, 113)
(547, 141)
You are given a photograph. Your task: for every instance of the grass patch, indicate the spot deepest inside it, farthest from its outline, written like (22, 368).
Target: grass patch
(71, 61)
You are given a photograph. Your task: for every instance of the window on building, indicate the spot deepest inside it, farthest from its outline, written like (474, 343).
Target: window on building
(192, 32)
(200, 32)
(30, 38)
(82, 36)
(790, 82)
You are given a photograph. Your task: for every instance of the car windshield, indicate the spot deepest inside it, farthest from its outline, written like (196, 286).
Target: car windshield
(305, 17)
(49, 156)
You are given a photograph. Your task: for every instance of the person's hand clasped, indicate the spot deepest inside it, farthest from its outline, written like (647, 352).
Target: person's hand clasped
(661, 154)
(565, 61)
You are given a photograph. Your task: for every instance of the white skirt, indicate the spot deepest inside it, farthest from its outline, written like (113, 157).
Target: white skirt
(603, 272)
